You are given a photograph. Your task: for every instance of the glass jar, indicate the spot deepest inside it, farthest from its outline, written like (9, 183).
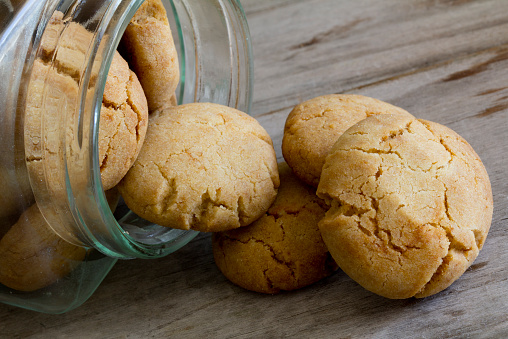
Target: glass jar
(58, 235)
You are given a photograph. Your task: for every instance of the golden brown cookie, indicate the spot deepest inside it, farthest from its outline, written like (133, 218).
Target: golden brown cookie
(313, 126)
(49, 94)
(283, 250)
(203, 166)
(148, 46)
(32, 256)
(411, 205)
(124, 111)
(123, 122)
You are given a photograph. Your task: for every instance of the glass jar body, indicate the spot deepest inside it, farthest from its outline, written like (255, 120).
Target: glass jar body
(54, 207)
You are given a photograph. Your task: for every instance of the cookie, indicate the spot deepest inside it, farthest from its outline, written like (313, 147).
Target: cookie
(314, 126)
(49, 92)
(32, 256)
(124, 111)
(283, 250)
(203, 166)
(411, 205)
(148, 46)
(123, 122)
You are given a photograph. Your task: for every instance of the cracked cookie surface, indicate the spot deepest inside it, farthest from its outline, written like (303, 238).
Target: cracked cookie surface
(123, 122)
(148, 46)
(411, 205)
(202, 166)
(283, 250)
(54, 87)
(314, 126)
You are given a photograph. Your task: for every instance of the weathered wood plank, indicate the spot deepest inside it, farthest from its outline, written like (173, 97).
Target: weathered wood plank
(258, 7)
(340, 45)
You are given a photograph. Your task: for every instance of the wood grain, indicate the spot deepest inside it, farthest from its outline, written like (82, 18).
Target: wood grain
(442, 60)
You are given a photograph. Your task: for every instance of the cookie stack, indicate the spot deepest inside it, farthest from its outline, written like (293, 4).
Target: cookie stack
(401, 205)
(406, 204)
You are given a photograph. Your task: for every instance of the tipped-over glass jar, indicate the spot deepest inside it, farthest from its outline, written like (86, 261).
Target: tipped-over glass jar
(60, 233)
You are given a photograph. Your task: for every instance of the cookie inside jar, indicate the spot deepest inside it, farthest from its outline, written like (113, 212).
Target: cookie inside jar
(89, 102)
(44, 240)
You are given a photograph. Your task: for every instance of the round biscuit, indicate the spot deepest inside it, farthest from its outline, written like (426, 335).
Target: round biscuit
(33, 256)
(282, 250)
(314, 126)
(411, 205)
(203, 166)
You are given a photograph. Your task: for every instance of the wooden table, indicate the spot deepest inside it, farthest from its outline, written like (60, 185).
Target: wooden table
(442, 60)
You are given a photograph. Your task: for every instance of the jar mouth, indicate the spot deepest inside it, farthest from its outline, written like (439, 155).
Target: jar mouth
(79, 211)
